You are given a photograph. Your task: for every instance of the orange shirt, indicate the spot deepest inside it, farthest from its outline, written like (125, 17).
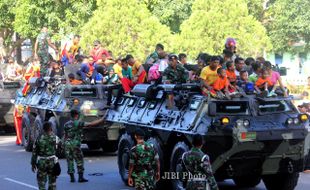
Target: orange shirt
(220, 83)
(231, 75)
(135, 68)
(75, 82)
(260, 82)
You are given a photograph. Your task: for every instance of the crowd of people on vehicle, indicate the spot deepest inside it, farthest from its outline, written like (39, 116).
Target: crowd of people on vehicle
(221, 76)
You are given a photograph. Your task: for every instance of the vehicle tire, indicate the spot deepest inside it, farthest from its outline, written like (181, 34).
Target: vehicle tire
(176, 164)
(155, 142)
(158, 149)
(38, 127)
(281, 181)
(247, 181)
(54, 125)
(60, 152)
(26, 133)
(93, 145)
(124, 146)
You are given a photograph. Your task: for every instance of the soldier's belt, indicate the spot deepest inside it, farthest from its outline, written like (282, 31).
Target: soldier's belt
(46, 157)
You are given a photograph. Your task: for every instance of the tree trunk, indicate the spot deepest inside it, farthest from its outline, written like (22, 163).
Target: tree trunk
(18, 50)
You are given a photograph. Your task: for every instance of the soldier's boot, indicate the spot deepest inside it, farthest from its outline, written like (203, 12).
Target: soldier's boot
(81, 178)
(72, 179)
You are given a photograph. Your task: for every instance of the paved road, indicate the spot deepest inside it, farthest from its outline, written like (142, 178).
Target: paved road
(15, 172)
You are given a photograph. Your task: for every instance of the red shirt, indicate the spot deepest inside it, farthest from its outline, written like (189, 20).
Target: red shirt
(97, 53)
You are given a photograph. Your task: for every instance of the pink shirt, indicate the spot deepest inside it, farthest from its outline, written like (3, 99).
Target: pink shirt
(275, 76)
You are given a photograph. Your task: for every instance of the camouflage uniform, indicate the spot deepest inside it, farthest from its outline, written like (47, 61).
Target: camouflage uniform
(43, 156)
(198, 164)
(43, 54)
(144, 159)
(178, 75)
(73, 132)
(153, 56)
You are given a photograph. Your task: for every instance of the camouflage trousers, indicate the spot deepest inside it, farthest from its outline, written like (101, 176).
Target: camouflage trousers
(44, 59)
(197, 185)
(74, 153)
(45, 168)
(144, 180)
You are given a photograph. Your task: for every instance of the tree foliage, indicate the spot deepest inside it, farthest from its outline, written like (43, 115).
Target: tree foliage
(60, 16)
(7, 17)
(125, 26)
(171, 12)
(212, 21)
(289, 23)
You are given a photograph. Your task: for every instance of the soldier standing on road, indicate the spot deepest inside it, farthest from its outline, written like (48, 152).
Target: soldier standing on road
(73, 132)
(144, 165)
(198, 164)
(44, 157)
(41, 49)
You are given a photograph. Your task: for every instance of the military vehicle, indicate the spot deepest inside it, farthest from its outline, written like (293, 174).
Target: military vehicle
(248, 139)
(52, 99)
(8, 93)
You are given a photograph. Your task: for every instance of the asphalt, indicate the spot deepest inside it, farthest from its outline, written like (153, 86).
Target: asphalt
(101, 170)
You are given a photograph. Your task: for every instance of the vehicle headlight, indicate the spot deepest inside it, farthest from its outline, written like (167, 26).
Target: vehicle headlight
(239, 123)
(225, 120)
(246, 123)
(289, 121)
(303, 117)
(296, 121)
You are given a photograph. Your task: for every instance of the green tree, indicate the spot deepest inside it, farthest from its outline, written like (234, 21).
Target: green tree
(7, 17)
(212, 21)
(289, 25)
(62, 17)
(256, 9)
(171, 12)
(125, 26)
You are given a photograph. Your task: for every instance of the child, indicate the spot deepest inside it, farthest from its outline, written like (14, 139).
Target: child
(230, 72)
(111, 78)
(244, 83)
(221, 84)
(72, 80)
(57, 71)
(264, 83)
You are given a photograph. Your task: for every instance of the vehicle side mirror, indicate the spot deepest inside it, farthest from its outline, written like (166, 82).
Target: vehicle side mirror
(212, 109)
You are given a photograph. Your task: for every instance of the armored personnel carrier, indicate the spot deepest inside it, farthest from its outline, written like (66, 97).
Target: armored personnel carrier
(8, 92)
(52, 99)
(248, 139)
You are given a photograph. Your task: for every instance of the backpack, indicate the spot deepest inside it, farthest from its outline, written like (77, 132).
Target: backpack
(153, 73)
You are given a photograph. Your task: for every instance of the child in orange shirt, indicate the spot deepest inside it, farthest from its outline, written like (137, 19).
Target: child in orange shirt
(264, 83)
(231, 75)
(222, 84)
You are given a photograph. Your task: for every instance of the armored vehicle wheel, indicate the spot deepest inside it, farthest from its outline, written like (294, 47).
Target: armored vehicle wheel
(53, 122)
(281, 181)
(247, 181)
(38, 127)
(124, 146)
(176, 164)
(60, 153)
(26, 133)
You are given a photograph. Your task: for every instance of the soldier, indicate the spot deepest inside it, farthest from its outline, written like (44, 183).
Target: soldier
(144, 166)
(197, 164)
(41, 49)
(175, 72)
(73, 132)
(44, 158)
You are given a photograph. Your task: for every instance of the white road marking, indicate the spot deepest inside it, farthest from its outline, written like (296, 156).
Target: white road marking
(20, 183)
